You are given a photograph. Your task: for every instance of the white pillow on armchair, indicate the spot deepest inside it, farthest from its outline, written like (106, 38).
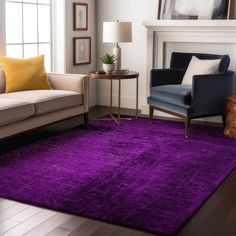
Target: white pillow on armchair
(200, 67)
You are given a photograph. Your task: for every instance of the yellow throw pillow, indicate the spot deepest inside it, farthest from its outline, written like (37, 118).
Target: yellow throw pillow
(24, 74)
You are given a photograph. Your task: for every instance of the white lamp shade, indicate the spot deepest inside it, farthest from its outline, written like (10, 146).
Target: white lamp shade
(114, 32)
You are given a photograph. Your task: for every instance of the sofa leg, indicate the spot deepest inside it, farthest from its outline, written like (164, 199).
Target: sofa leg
(150, 114)
(187, 123)
(224, 119)
(86, 118)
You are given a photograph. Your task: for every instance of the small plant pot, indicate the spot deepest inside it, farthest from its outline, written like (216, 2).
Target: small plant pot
(108, 68)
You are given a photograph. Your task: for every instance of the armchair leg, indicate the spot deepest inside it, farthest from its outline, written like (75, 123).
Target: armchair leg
(224, 119)
(150, 114)
(187, 123)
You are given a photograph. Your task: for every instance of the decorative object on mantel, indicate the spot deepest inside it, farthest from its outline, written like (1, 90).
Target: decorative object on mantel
(108, 62)
(80, 16)
(194, 10)
(115, 32)
(81, 50)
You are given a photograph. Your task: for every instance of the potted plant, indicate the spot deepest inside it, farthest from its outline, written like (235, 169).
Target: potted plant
(108, 62)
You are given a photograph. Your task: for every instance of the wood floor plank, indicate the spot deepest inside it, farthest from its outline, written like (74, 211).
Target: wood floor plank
(228, 226)
(26, 214)
(58, 232)
(105, 229)
(12, 210)
(191, 227)
(48, 225)
(216, 217)
(86, 229)
(211, 209)
(31, 223)
(7, 225)
(140, 233)
(220, 194)
(122, 231)
(73, 223)
(4, 204)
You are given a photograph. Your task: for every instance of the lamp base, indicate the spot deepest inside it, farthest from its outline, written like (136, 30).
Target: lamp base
(117, 53)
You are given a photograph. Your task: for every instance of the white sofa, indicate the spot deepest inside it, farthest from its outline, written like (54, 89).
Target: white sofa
(26, 110)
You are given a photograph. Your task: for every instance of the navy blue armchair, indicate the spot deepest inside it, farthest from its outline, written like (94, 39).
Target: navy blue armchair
(205, 97)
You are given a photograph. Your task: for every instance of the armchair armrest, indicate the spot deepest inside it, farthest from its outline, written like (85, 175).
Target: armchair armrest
(71, 82)
(210, 91)
(166, 76)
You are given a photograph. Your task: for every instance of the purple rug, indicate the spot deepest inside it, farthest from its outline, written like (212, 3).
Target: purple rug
(143, 176)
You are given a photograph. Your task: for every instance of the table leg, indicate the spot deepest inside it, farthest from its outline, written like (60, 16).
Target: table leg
(119, 101)
(88, 97)
(136, 97)
(111, 97)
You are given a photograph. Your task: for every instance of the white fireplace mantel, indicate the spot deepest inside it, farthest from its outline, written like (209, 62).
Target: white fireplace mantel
(161, 32)
(189, 31)
(190, 25)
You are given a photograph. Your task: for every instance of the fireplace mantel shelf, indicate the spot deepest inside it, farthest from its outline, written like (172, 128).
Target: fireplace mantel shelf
(190, 25)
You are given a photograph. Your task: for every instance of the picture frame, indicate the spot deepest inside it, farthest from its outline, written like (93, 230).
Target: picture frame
(222, 11)
(80, 16)
(159, 9)
(81, 50)
(194, 10)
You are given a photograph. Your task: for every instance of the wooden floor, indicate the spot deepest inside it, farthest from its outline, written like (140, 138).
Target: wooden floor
(217, 217)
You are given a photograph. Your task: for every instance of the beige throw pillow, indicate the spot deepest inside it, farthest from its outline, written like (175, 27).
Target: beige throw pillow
(200, 67)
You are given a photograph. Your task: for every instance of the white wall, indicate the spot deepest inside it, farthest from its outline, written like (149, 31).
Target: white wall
(2, 27)
(133, 54)
(59, 36)
(70, 33)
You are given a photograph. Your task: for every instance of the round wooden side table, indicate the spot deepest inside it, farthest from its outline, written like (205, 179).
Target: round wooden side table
(230, 129)
(117, 76)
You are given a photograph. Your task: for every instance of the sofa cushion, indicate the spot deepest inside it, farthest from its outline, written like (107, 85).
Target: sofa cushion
(173, 94)
(12, 110)
(46, 101)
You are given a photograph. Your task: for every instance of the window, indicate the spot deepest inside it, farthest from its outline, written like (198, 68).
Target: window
(28, 29)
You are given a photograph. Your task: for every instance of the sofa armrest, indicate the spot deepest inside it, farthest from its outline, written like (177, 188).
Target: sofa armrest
(210, 91)
(71, 82)
(166, 76)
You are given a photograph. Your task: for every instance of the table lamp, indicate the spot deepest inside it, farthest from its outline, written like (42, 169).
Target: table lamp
(117, 32)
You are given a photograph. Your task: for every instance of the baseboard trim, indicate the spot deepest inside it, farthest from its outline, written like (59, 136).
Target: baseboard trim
(131, 112)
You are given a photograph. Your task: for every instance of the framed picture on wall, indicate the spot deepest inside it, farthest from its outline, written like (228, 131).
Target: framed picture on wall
(192, 9)
(81, 50)
(221, 9)
(80, 16)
